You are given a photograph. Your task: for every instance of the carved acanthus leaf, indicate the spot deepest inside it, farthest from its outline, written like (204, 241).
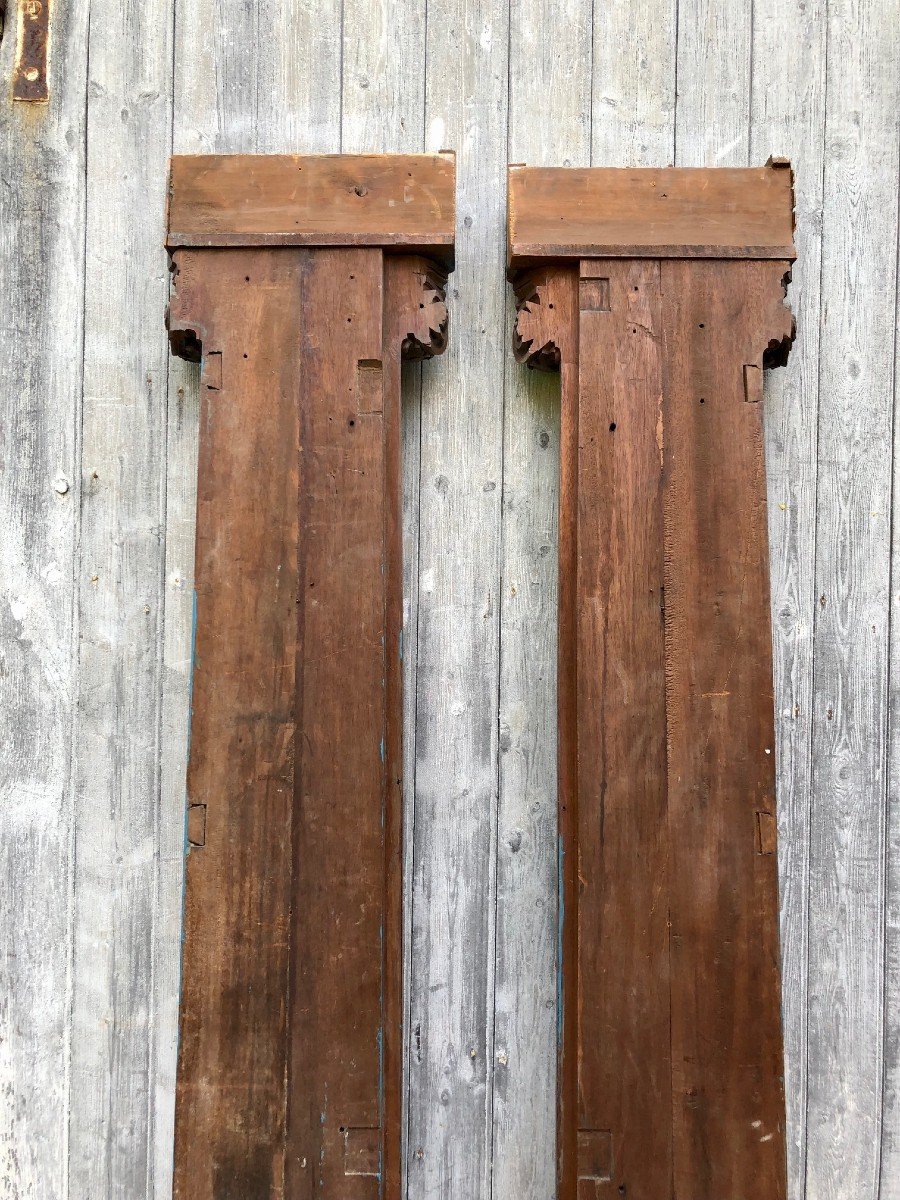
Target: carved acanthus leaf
(540, 326)
(427, 323)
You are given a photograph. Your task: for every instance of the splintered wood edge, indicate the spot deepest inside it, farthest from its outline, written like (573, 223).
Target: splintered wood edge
(565, 213)
(401, 202)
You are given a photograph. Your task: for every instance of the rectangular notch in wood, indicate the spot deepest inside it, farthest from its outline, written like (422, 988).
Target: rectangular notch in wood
(753, 383)
(212, 370)
(595, 294)
(766, 833)
(368, 386)
(594, 1161)
(196, 825)
(362, 1152)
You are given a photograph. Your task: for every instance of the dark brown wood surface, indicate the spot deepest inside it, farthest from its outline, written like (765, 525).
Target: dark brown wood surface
(624, 1067)
(727, 1058)
(673, 212)
(402, 200)
(241, 776)
(670, 1063)
(290, 1068)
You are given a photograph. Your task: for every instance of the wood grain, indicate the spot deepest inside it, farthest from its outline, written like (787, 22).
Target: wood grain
(652, 212)
(456, 736)
(670, 985)
(289, 77)
(787, 119)
(382, 109)
(238, 889)
(290, 1076)
(622, 836)
(42, 162)
(854, 623)
(727, 1061)
(527, 932)
(120, 597)
(633, 77)
(314, 200)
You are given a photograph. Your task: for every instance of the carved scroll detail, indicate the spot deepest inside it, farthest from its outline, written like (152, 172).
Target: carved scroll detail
(426, 320)
(541, 322)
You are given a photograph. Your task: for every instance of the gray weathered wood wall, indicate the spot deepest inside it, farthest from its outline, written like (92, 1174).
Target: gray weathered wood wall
(98, 435)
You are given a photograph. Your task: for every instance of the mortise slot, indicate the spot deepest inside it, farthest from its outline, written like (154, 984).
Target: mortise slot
(362, 1152)
(196, 825)
(753, 383)
(594, 1157)
(212, 370)
(369, 391)
(766, 833)
(594, 295)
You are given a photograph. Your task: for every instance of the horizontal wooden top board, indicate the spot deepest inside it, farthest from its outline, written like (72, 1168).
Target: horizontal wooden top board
(405, 201)
(668, 212)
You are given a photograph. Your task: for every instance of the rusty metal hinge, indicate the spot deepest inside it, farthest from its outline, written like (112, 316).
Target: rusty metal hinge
(30, 75)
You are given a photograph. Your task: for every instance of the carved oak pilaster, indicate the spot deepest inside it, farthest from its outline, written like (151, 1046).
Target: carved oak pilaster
(660, 296)
(299, 283)
(426, 321)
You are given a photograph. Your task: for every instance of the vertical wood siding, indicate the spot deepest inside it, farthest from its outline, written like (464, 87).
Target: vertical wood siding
(98, 434)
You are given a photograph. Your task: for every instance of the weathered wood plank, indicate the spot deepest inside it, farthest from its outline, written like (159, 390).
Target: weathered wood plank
(259, 77)
(120, 597)
(890, 1099)
(42, 158)
(456, 734)
(633, 84)
(853, 521)
(787, 116)
(342, 1086)
(525, 1016)
(711, 111)
(178, 652)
